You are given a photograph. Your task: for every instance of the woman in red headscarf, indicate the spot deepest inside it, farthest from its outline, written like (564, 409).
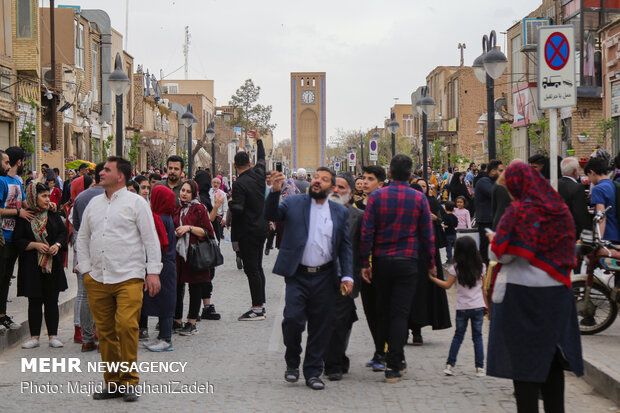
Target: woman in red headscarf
(162, 305)
(534, 333)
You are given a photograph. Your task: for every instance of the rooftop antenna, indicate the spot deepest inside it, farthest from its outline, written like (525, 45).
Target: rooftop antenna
(395, 101)
(462, 47)
(186, 51)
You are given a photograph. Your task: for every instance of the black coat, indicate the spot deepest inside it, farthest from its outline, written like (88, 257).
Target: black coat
(30, 278)
(574, 194)
(248, 200)
(500, 199)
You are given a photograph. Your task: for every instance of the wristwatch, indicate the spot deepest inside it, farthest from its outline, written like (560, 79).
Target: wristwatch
(58, 244)
(190, 229)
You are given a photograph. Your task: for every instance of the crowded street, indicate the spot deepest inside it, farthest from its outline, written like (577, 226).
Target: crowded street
(243, 363)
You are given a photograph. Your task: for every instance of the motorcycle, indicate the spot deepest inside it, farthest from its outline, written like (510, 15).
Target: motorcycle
(597, 298)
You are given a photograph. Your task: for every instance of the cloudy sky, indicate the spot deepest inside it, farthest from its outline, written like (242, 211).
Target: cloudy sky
(373, 51)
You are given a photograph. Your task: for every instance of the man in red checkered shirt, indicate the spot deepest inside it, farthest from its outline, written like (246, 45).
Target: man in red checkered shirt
(396, 229)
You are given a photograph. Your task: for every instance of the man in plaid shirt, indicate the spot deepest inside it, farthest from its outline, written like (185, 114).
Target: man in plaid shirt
(396, 229)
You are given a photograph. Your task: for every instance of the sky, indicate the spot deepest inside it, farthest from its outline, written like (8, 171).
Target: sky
(372, 51)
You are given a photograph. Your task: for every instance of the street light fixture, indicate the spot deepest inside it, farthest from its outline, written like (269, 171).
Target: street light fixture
(489, 66)
(210, 133)
(393, 127)
(424, 106)
(188, 119)
(119, 84)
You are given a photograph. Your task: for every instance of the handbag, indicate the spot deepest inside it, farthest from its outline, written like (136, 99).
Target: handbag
(205, 255)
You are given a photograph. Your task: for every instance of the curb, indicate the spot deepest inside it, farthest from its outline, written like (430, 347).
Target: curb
(10, 338)
(603, 380)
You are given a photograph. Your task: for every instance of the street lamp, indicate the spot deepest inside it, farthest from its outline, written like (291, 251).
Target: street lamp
(119, 84)
(487, 67)
(424, 106)
(188, 119)
(393, 127)
(211, 136)
(362, 145)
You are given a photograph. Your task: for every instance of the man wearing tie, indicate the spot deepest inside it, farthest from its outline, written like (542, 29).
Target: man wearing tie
(316, 260)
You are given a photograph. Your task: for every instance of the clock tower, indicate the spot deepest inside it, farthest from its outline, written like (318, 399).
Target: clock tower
(308, 132)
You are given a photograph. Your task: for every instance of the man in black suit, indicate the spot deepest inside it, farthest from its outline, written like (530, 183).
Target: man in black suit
(317, 262)
(574, 194)
(335, 359)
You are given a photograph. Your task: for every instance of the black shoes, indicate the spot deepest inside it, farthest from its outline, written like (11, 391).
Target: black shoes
(209, 313)
(267, 249)
(315, 383)
(239, 263)
(189, 330)
(176, 326)
(130, 395)
(417, 340)
(392, 376)
(335, 376)
(105, 394)
(291, 375)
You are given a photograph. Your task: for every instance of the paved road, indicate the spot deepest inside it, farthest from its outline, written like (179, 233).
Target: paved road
(243, 361)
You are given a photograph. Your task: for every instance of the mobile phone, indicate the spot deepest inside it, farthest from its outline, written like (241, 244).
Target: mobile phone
(488, 230)
(279, 166)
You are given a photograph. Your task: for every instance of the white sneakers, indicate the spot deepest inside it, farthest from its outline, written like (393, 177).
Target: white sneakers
(55, 343)
(31, 343)
(448, 371)
(34, 342)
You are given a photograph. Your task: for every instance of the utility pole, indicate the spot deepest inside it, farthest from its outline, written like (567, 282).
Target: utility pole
(186, 52)
(53, 84)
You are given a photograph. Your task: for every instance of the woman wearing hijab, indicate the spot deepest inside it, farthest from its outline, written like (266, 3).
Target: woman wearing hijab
(162, 305)
(203, 179)
(430, 302)
(40, 276)
(192, 223)
(534, 333)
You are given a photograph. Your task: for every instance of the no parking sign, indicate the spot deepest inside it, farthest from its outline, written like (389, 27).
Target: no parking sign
(372, 154)
(556, 67)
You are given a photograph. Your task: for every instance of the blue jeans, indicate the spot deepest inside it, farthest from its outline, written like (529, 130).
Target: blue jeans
(165, 329)
(462, 316)
(450, 240)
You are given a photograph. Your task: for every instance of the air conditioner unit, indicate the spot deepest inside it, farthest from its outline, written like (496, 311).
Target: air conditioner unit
(530, 32)
(46, 74)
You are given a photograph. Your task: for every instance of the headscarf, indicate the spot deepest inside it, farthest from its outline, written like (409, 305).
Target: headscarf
(162, 203)
(537, 225)
(289, 188)
(458, 188)
(183, 242)
(203, 179)
(38, 224)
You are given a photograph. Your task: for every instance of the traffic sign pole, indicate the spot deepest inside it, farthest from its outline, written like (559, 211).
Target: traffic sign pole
(553, 147)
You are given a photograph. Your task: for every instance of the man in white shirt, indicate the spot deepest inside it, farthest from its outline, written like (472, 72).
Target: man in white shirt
(117, 244)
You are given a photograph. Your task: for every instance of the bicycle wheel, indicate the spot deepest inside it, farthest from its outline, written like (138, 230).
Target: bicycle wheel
(599, 313)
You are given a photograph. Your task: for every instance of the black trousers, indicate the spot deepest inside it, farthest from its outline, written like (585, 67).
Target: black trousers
(251, 251)
(270, 238)
(8, 258)
(195, 297)
(552, 391)
(309, 298)
(335, 358)
(35, 313)
(484, 241)
(368, 293)
(395, 280)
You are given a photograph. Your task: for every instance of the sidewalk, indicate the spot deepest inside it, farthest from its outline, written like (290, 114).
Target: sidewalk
(601, 361)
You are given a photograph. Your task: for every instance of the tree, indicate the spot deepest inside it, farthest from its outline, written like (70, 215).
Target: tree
(505, 152)
(134, 149)
(158, 150)
(538, 135)
(247, 113)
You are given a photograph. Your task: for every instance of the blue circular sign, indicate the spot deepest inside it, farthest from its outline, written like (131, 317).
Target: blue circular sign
(557, 51)
(352, 156)
(373, 145)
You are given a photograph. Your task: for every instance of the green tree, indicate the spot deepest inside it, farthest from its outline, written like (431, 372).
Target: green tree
(134, 149)
(506, 151)
(604, 126)
(247, 113)
(538, 135)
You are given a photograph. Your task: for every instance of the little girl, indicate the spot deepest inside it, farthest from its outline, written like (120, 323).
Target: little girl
(462, 213)
(470, 300)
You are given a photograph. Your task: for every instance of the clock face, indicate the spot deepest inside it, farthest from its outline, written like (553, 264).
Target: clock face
(307, 97)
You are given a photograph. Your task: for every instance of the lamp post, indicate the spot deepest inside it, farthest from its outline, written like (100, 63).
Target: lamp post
(393, 127)
(119, 83)
(487, 67)
(188, 119)
(376, 137)
(211, 136)
(424, 106)
(362, 147)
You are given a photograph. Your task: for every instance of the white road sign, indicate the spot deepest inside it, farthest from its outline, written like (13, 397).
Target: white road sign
(556, 67)
(373, 153)
(337, 166)
(352, 159)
